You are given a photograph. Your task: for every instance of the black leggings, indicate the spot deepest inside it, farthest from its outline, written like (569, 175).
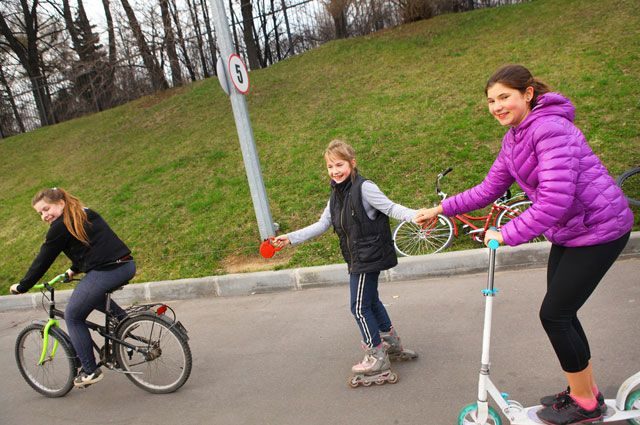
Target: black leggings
(572, 276)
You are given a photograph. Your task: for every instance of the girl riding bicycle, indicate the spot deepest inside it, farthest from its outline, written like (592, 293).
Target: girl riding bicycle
(576, 204)
(359, 212)
(93, 248)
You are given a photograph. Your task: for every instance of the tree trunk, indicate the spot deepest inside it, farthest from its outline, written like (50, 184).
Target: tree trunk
(29, 57)
(181, 42)
(253, 53)
(210, 38)
(193, 10)
(12, 101)
(176, 72)
(110, 72)
(158, 80)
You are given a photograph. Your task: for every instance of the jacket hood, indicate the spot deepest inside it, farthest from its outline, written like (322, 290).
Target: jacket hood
(549, 104)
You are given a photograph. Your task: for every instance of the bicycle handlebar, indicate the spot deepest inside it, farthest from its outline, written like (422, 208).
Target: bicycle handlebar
(440, 176)
(64, 278)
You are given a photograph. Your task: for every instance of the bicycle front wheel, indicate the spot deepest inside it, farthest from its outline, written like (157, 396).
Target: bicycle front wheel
(412, 239)
(514, 210)
(629, 182)
(161, 360)
(54, 377)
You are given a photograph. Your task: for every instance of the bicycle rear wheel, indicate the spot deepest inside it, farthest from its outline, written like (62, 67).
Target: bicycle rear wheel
(512, 212)
(629, 182)
(54, 377)
(412, 239)
(161, 362)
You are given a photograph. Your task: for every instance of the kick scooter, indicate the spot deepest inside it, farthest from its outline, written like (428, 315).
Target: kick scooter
(626, 405)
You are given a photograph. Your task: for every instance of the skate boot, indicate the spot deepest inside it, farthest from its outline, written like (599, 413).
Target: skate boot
(375, 368)
(392, 345)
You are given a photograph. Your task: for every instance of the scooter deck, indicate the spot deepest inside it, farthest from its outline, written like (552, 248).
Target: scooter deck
(528, 416)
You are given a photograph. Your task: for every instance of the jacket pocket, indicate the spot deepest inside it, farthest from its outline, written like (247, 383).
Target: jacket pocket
(369, 249)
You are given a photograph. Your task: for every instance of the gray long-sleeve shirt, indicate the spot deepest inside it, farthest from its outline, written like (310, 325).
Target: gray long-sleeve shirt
(374, 202)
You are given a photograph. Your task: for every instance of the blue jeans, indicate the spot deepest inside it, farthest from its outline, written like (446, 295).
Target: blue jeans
(89, 295)
(368, 310)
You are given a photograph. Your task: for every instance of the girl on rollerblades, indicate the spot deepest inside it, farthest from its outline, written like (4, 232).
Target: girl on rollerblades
(576, 205)
(359, 213)
(94, 249)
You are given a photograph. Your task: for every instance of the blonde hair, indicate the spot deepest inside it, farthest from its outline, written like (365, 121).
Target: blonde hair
(339, 149)
(73, 215)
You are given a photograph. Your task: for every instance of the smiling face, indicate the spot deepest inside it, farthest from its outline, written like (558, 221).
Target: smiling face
(49, 211)
(339, 169)
(509, 106)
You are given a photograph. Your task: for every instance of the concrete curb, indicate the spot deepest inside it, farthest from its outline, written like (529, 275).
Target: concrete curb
(409, 268)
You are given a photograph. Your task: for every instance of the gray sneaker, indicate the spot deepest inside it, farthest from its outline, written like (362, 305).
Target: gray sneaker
(550, 400)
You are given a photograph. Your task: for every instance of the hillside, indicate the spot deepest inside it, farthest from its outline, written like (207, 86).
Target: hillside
(166, 171)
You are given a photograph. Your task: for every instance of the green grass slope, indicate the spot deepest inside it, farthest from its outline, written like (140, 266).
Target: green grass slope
(167, 172)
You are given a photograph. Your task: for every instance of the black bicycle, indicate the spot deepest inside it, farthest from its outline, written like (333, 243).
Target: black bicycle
(629, 181)
(149, 346)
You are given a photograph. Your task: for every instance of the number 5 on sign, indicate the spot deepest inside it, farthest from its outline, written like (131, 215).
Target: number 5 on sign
(238, 73)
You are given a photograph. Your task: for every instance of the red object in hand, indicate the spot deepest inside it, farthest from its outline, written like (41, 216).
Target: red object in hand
(267, 250)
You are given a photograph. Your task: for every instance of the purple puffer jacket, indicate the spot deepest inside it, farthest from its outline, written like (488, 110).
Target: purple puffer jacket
(575, 200)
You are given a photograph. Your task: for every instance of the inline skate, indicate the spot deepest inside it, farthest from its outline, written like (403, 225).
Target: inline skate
(393, 346)
(375, 368)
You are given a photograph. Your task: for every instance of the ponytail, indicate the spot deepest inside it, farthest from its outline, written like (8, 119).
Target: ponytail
(73, 215)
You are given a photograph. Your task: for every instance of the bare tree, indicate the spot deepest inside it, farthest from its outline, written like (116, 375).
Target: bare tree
(109, 83)
(181, 40)
(12, 103)
(193, 11)
(158, 79)
(338, 11)
(253, 52)
(210, 37)
(22, 36)
(170, 43)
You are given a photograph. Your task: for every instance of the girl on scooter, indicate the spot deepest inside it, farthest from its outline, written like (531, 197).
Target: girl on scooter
(576, 205)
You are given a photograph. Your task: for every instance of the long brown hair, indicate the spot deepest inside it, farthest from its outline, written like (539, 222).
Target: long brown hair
(518, 78)
(73, 215)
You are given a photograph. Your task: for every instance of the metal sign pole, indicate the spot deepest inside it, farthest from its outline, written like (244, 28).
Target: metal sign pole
(243, 125)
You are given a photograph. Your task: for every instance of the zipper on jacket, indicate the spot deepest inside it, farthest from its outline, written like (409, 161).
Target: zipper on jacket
(346, 234)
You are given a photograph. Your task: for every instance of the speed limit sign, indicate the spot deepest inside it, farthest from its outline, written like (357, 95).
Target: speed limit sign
(238, 73)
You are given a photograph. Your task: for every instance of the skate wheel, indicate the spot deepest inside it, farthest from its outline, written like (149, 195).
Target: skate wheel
(353, 382)
(380, 381)
(367, 383)
(393, 378)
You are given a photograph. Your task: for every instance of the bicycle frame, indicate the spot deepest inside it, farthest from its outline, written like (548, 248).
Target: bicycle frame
(468, 220)
(101, 330)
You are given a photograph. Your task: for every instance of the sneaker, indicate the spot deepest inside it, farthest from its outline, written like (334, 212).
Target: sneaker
(84, 379)
(567, 412)
(550, 400)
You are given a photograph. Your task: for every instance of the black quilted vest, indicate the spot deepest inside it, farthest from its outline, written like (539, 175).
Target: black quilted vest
(366, 245)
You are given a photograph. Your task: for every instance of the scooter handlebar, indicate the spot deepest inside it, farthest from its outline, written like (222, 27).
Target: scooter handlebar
(493, 244)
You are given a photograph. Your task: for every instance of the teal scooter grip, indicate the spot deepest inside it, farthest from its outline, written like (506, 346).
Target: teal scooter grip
(493, 244)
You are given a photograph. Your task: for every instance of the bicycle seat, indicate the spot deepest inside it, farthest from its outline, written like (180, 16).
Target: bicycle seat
(118, 288)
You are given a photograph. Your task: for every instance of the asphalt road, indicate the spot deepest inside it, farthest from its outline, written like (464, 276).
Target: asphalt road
(284, 358)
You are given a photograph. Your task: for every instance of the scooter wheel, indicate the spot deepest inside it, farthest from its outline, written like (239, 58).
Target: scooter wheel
(469, 414)
(633, 403)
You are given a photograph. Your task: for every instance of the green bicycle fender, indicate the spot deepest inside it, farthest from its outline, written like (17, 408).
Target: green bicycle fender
(45, 342)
